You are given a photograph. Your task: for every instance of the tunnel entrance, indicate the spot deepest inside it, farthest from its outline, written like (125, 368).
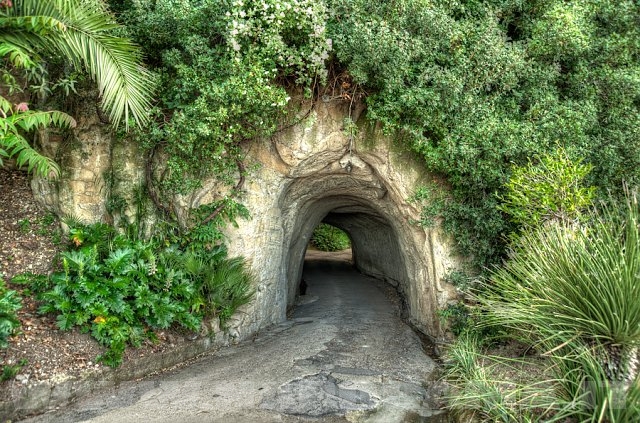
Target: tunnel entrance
(313, 174)
(326, 237)
(384, 243)
(375, 250)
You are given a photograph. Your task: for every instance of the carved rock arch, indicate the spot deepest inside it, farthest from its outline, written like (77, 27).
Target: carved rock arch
(313, 173)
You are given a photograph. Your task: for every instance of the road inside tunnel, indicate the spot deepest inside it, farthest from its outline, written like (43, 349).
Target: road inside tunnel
(333, 284)
(343, 355)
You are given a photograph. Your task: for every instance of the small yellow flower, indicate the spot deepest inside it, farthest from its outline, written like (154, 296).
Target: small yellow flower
(99, 320)
(77, 240)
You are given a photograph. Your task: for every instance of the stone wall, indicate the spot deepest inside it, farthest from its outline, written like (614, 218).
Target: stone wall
(309, 173)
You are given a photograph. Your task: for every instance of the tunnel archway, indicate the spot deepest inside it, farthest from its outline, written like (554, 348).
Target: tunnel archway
(313, 172)
(355, 199)
(374, 241)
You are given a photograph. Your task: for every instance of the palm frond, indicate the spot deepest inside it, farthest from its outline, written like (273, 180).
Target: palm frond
(18, 55)
(15, 145)
(113, 62)
(43, 119)
(38, 24)
(123, 84)
(81, 32)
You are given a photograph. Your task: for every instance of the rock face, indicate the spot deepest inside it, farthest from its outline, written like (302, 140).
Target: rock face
(310, 173)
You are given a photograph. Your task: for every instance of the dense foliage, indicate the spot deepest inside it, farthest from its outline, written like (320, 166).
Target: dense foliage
(16, 120)
(10, 303)
(329, 238)
(121, 289)
(583, 280)
(223, 66)
(550, 191)
(474, 87)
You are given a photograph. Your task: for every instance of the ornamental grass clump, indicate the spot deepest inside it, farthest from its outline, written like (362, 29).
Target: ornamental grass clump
(565, 283)
(571, 293)
(481, 390)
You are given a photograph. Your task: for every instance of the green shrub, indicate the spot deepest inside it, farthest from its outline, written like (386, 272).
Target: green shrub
(457, 316)
(585, 381)
(432, 201)
(9, 371)
(570, 385)
(25, 225)
(329, 238)
(121, 290)
(223, 67)
(10, 302)
(551, 190)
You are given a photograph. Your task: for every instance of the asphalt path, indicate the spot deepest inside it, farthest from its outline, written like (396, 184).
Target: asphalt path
(344, 355)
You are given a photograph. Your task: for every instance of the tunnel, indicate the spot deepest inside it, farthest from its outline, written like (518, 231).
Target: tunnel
(374, 242)
(383, 240)
(314, 172)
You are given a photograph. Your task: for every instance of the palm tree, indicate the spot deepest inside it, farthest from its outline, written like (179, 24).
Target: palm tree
(80, 31)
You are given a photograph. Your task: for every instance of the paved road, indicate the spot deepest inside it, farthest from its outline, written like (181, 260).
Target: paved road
(345, 355)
